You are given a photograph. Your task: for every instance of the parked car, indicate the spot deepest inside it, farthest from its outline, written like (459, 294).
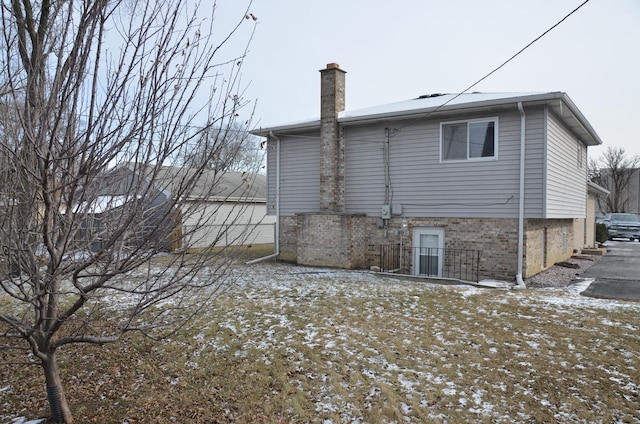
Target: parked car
(600, 219)
(623, 225)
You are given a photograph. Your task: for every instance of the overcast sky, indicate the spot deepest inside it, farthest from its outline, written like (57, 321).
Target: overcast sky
(398, 50)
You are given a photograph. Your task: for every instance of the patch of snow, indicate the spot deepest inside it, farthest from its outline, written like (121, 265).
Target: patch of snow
(495, 284)
(534, 345)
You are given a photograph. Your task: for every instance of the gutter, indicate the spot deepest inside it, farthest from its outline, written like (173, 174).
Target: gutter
(523, 121)
(277, 235)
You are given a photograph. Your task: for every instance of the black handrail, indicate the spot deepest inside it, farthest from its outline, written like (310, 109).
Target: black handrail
(460, 264)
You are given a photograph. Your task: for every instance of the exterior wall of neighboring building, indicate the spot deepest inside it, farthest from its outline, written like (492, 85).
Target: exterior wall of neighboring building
(208, 224)
(632, 192)
(630, 196)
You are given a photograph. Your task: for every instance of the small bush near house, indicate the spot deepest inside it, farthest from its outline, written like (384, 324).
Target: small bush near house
(602, 234)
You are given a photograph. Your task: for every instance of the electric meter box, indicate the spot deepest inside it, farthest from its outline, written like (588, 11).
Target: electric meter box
(385, 212)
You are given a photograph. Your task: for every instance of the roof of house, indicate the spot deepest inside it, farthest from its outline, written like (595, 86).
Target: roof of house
(448, 104)
(215, 186)
(209, 185)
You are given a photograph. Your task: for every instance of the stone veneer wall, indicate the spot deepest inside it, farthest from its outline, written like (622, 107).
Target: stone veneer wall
(353, 241)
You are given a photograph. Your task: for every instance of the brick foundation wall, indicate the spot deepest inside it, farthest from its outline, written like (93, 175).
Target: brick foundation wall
(548, 241)
(289, 236)
(332, 239)
(496, 239)
(353, 241)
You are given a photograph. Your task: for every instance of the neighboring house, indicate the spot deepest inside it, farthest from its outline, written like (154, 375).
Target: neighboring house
(233, 214)
(502, 175)
(627, 197)
(219, 210)
(632, 192)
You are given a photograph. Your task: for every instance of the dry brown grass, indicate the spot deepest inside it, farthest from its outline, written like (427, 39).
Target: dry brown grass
(285, 346)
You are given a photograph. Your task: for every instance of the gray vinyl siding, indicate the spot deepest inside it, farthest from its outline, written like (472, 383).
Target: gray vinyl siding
(566, 181)
(535, 167)
(299, 174)
(428, 188)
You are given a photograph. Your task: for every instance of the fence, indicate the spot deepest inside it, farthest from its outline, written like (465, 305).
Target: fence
(459, 264)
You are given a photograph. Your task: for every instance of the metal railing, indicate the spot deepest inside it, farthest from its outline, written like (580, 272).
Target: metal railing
(432, 262)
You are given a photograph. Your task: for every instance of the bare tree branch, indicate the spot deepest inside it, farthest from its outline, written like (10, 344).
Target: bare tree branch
(97, 101)
(613, 171)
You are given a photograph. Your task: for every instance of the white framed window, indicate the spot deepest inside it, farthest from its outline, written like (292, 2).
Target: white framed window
(473, 139)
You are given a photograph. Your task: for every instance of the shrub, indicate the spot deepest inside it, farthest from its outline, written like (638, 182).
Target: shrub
(602, 234)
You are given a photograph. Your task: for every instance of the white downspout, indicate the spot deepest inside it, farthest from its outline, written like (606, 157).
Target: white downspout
(277, 228)
(523, 121)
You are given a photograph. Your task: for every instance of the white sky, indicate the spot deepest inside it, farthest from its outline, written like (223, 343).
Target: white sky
(398, 51)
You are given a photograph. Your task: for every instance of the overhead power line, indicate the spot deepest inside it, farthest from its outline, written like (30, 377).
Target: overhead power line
(499, 67)
(522, 49)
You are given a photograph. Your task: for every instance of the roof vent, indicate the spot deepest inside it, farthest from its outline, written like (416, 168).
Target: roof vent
(428, 96)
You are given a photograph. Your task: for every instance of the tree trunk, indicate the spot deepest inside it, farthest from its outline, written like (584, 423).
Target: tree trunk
(60, 411)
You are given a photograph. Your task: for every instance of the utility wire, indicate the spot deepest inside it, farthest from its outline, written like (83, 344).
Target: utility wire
(495, 69)
(522, 49)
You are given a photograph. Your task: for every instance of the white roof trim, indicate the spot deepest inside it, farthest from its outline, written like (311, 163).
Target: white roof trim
(452, 103)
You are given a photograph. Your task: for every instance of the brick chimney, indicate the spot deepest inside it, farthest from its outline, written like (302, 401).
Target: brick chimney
(332, 96)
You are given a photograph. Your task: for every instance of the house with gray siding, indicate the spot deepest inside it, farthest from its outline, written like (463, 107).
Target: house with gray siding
(502, 175)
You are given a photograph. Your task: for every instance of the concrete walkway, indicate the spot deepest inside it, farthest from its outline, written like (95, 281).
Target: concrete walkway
(617, 274)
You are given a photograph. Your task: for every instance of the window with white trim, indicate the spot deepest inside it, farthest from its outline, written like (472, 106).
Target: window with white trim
(469, 140)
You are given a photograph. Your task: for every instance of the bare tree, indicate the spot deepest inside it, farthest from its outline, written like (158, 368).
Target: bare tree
(613, 171)
(241, 151)
(97, 98)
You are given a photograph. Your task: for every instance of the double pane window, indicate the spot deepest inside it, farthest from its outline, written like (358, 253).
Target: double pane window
(468, 140)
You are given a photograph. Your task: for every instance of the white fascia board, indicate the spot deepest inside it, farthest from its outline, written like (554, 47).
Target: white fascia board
(467, 103)
(408, 109)
(287, 128)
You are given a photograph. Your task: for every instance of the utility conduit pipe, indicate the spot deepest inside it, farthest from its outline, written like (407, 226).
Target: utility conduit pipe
(523, 122)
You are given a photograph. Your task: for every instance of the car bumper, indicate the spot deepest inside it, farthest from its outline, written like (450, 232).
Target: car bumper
(624, 233)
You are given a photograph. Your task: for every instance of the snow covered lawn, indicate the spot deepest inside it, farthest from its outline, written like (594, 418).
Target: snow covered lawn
(295, 344)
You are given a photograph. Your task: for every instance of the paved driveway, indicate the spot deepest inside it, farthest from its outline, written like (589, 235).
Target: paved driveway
(617, 274)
